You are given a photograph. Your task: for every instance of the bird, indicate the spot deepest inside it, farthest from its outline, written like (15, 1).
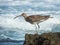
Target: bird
(34, 19)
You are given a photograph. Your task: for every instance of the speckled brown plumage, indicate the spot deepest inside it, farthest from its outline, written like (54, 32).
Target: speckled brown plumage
(34, 19)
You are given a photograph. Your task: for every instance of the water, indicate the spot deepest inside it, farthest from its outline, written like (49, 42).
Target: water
(11, 43)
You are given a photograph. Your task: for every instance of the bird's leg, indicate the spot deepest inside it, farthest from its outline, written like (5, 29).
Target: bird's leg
(38, 27)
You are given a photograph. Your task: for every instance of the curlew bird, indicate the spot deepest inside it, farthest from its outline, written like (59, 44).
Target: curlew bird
(34, 19)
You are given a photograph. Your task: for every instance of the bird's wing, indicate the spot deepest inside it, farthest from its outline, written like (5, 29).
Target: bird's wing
(34, 18)
(38, 18)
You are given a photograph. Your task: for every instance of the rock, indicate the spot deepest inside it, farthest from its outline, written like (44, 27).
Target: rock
(53, 37)
(43, 39)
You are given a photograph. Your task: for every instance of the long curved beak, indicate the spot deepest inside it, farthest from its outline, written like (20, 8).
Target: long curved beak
(17, 16)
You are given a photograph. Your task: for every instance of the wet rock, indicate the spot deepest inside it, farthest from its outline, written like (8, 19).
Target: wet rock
(43, 39)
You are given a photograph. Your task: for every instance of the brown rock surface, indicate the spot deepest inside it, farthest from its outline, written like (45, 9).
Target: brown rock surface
(43, 39)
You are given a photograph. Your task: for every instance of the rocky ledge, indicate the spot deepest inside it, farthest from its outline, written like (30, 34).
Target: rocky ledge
(43, 39)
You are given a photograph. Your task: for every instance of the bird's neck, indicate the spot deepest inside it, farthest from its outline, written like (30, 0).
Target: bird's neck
(25, 16)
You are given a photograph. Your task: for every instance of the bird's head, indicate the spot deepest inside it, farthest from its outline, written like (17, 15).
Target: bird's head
(23, 14)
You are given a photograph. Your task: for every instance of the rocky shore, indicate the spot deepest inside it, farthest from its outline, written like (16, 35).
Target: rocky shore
(43, 39)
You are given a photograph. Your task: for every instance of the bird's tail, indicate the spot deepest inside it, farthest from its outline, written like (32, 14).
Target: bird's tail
(51, 17)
